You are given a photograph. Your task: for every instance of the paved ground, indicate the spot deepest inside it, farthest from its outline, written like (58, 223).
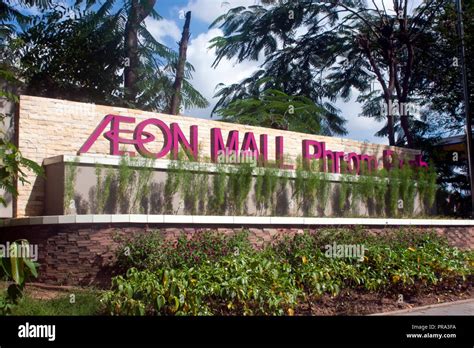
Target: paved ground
(465, 307)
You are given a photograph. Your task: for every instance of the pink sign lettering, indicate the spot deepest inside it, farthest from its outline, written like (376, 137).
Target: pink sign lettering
(111, 127)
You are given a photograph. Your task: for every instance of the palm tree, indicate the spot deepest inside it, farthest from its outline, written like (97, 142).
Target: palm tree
(120, 36)
(150, 66)
(11, 12)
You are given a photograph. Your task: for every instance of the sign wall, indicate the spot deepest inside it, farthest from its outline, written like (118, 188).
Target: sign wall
(51, 127)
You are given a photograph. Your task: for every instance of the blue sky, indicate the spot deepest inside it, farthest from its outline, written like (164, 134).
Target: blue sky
(205, 79)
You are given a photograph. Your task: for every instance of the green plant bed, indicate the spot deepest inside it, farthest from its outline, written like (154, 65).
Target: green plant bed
(151, 251)
(196, 280)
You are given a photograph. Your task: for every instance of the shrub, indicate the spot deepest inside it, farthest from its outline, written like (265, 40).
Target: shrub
(17, 269)
(243, 284)
(151, 251)
(201, 276)
(404, 259)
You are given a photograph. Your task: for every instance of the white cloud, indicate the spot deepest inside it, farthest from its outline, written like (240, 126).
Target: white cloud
(359, 128)
(209, 10)
(205, 78)
(161, 29)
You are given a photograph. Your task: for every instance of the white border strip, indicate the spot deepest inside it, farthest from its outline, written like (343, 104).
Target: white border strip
(224, 220)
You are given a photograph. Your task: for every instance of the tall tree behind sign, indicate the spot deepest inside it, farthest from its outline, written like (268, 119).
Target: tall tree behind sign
(178, 82)
(80, 54)
(323, 49)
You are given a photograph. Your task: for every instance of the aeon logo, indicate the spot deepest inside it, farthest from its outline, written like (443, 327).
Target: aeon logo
(172, 137)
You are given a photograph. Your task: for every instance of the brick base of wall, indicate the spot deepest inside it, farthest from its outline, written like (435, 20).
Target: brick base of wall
(83, 254)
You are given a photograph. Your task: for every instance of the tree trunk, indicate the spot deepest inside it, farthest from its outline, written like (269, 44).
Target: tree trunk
(178, 82)
(390, 126)
(138, 12)
(402, 106)
(131, 52)
(387, 89)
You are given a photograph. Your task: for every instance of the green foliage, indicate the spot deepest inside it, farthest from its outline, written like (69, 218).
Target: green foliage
(69, 185)
(355, 195)
(173, 179)
(299, 184)
(85, 303)
(13, 167)
(243, 285)
(150, 251)
(142, 185)
(124, 182)
(407, 189)
(400, 260)
(311, 188)
(188, 190)
(276, 109)
(366, 183)
(77, 53)
(202, 194)
(17, 268)
(131, 183)
(323, 191)
(194, 188)
(308, 185)
(188, 179)
(74, 58)
(265, 187)
(427, 186)
(191, 181)
(380, 190)
(343, 193)
(239, 184)
(275, 280)
(218, 198)
(102, 188)
(327, 62)
(394, 191)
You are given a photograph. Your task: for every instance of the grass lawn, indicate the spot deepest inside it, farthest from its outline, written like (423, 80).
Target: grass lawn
(38, 301)
(85, 304)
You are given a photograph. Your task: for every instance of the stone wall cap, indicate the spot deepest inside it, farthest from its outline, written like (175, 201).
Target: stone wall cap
(225, 220)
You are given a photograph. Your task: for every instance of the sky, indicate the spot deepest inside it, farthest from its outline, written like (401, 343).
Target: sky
(205, 78)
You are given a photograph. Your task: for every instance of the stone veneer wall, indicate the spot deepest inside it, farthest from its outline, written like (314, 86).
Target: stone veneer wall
(81, 254)
(52, 127)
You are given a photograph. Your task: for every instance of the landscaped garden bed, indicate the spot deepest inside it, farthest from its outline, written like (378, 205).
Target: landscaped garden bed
(328, 272)
(357, 302)
(211, 274)
(40, 301)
